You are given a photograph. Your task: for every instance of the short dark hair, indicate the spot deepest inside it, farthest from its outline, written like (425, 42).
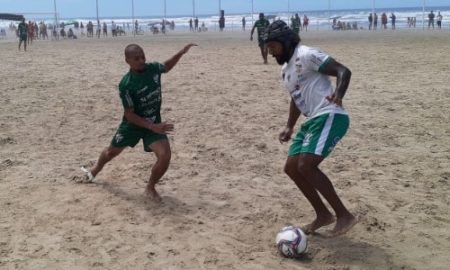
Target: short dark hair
(131, 48)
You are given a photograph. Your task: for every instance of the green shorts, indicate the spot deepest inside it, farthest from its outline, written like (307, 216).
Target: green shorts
(129, 135)
(320, 135)
(23, 37)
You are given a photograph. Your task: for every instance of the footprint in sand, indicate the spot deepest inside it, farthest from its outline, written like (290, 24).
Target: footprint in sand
(6, 164)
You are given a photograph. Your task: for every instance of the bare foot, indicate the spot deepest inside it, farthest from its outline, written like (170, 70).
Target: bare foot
(343, 225)
(153, 195)
(319, 222)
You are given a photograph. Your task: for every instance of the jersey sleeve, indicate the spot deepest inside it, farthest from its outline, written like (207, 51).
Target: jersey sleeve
(156, 67)
(316, 60)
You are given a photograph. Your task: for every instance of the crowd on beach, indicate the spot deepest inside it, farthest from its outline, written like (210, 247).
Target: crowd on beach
(73, 30)
(373, 22)
(40, 30)
(193, 25)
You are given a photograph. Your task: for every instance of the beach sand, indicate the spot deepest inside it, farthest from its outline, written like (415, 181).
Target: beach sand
(225, 195)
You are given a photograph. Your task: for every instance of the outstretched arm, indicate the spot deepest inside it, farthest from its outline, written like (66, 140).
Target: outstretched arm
(169, 64)
(343, 75)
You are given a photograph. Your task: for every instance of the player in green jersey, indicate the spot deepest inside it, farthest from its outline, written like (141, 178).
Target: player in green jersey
(261, 26)
(23, 34)
(140, 92)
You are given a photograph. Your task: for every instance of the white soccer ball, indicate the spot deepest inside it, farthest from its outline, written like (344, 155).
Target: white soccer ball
(291, 242)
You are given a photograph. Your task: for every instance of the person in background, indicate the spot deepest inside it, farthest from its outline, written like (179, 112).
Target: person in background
(105, 30)
(393, 18)
(23, 34)
(261, 26)
(431, 20)
(30, 32)
(439, 20)
(305, 22)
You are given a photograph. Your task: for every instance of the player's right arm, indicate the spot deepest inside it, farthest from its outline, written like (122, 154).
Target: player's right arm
(294, 114)
(135, 119)
(253, 30)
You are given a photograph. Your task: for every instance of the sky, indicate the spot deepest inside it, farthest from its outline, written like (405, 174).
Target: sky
(122, 8)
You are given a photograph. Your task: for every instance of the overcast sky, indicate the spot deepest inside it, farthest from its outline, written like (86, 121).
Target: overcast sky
(87, 8)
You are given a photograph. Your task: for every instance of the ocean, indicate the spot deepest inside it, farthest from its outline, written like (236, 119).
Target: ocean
(318, 20)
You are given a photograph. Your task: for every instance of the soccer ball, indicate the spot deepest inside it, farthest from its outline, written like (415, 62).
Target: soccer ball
(291, 242)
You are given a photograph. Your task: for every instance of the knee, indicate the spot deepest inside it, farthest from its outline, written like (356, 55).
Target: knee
(290, 169)
(165, 157)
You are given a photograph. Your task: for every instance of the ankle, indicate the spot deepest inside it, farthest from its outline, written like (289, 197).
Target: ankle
(345, 215)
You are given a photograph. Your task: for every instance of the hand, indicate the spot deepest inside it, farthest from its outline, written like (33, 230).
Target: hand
(162, 128)
(335, 99)
(285, 135)
(187, 47)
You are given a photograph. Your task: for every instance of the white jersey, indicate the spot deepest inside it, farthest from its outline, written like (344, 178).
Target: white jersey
(306, 85)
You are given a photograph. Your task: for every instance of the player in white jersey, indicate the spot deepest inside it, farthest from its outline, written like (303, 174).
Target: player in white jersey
(305, 74)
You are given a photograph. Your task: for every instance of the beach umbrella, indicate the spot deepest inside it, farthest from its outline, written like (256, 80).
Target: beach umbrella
(11, 17)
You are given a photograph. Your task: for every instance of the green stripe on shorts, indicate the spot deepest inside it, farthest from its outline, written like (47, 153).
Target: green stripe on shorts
(320, 135)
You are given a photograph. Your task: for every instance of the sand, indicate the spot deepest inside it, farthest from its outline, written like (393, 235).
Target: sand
(225, 195)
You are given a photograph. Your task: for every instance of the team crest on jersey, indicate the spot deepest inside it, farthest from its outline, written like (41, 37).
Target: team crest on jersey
(316, 60)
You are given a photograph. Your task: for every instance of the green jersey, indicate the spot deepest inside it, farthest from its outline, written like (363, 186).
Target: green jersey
(142, 92)
(22, 29)
(261, 26)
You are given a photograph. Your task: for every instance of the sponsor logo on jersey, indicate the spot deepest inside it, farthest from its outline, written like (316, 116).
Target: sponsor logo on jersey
(142, 90)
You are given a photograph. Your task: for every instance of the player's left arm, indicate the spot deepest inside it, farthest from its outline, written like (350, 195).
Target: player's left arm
(169, 64)
(343, 75)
